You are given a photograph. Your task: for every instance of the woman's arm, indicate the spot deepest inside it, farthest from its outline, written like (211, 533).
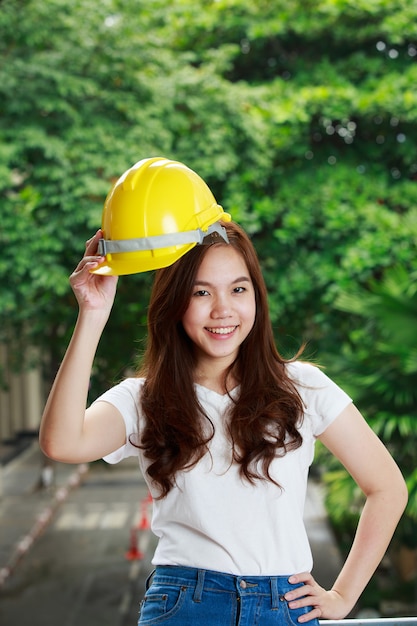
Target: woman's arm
(354, 443)
(68, 432)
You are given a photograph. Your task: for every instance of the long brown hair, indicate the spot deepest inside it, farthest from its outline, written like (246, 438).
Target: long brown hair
(264, 417)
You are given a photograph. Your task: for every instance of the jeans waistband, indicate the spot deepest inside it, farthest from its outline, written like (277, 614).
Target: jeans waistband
(200, 579)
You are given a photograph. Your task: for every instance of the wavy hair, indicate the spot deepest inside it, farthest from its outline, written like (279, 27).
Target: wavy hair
(264, 418)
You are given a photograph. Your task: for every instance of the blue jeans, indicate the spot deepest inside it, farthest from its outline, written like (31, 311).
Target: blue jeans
(185, 596)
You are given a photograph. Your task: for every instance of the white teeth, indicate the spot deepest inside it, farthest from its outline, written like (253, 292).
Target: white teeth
(222, 331)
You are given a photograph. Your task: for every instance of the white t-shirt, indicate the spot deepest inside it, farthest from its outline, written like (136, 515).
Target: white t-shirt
(213, 519)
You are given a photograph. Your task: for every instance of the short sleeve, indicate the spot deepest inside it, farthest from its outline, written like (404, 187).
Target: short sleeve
(324, 400)
(126, 398)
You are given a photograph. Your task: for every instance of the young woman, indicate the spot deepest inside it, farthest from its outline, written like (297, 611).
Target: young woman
(224, 431)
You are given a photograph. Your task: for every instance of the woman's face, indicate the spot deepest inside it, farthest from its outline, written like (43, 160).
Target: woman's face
(222, 308)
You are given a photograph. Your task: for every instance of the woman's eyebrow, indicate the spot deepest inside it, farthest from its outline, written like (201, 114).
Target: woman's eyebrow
(204, 283)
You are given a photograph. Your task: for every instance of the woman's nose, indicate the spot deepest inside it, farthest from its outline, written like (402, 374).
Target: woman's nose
(221, 308)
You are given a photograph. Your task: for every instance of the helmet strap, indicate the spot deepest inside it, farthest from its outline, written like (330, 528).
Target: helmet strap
(214, 234)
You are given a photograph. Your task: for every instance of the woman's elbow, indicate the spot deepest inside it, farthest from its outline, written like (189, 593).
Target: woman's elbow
(52, 450)
(403, 495)
(398, 493)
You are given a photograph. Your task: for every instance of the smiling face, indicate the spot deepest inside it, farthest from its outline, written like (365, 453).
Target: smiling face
(222, 308)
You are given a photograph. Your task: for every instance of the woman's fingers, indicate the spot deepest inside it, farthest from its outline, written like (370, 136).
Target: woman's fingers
(324, 604)
(92, 243)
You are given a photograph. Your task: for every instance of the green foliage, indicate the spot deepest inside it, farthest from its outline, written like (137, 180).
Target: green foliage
(380, 356)
(301, 116)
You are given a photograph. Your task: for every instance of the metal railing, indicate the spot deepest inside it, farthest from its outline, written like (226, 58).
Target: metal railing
(377, 621)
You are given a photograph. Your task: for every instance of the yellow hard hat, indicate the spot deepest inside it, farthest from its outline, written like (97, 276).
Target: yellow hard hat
(157, 211)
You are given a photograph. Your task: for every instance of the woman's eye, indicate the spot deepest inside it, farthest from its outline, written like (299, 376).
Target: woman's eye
(239, 289)
(201, 292)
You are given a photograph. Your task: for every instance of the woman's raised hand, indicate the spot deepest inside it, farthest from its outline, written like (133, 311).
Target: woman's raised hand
(93, 291)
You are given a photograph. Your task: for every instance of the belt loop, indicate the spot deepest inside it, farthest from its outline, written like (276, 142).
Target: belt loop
(274, 593)
(149, 579)
(199, 586)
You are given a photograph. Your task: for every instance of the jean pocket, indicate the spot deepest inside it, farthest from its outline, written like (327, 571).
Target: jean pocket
(292, 615)
(160, 603)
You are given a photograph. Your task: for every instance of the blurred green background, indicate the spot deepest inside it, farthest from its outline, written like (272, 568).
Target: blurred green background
(301, 116)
